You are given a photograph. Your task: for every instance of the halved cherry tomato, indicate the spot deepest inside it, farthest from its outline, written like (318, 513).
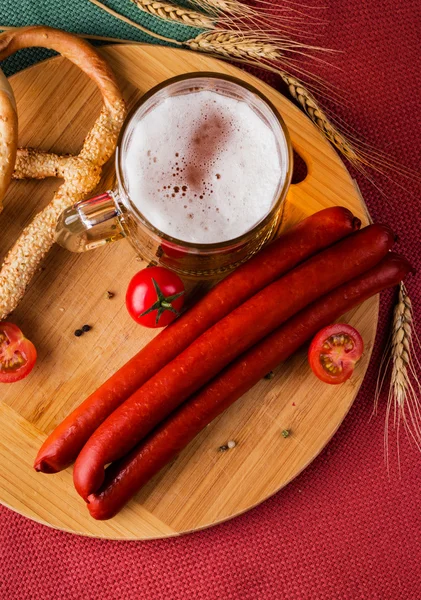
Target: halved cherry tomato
(155, 297)
(17, 354)
(334, 351)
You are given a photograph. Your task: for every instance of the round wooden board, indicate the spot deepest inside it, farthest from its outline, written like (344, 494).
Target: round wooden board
(57, 105)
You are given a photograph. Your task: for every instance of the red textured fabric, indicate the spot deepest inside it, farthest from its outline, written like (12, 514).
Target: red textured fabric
(343, 529)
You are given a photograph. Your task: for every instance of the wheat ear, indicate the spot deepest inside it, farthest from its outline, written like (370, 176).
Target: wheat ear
(404, 396)
(233, 45)
(228, 15)
(177, 14)
(316, 114)
(247, 48)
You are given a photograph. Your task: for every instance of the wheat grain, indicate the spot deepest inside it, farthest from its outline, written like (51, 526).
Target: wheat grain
(178, 14)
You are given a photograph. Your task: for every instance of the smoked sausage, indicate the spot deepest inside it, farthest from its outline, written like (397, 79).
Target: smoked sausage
(221, 344)
(124, 478)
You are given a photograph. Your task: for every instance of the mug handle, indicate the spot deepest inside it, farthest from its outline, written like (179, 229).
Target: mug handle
(90, 224)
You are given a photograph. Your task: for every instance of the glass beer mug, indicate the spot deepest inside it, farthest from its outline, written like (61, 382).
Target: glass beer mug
(113, 215)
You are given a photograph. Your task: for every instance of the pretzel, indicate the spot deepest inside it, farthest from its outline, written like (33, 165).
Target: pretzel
(8, 135)
(81, 173)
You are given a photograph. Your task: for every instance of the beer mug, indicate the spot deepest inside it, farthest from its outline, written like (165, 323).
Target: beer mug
(114, 214)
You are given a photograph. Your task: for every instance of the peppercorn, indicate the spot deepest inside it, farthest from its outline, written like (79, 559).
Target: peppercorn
(86, 328)
(78, 332)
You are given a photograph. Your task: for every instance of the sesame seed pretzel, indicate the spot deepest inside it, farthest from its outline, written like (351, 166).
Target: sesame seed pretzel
(8, 135)
(81, 173)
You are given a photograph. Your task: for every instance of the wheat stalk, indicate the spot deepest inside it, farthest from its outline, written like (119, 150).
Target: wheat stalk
(247, 47)
(404, 396)
(217, 11)
(231, 15)
(259, 49)
(228, 15)
(178, 14)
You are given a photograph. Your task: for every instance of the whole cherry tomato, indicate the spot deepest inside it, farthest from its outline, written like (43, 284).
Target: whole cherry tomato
(155, 297)
(334, 351)
(17, 354)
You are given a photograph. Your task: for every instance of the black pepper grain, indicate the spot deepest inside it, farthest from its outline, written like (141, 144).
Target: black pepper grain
(86, 328)
(78, 332)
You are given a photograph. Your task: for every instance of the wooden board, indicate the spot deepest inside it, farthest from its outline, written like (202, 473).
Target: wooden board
(57, 105)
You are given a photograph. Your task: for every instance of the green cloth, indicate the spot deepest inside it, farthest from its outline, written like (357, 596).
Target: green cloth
(81, 16)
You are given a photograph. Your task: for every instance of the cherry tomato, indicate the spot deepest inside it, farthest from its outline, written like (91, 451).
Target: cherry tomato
(17, 354)
(155, 297)
(334, 351)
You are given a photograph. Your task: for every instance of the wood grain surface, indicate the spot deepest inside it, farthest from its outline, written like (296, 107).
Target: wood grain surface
(57, 105)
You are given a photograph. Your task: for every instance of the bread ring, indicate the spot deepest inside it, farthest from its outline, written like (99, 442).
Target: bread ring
(81, 173)
(8, 135)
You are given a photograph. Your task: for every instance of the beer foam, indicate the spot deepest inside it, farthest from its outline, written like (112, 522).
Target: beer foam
(203, 167)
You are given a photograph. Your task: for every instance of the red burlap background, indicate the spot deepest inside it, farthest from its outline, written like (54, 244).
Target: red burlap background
(343, 529)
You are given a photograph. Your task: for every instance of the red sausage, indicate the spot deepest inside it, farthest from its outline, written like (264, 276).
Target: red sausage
(305, 239)
(125, 477)
(221, 344)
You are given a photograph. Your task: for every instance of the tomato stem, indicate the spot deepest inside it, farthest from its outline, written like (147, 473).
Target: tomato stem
(163, 303)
